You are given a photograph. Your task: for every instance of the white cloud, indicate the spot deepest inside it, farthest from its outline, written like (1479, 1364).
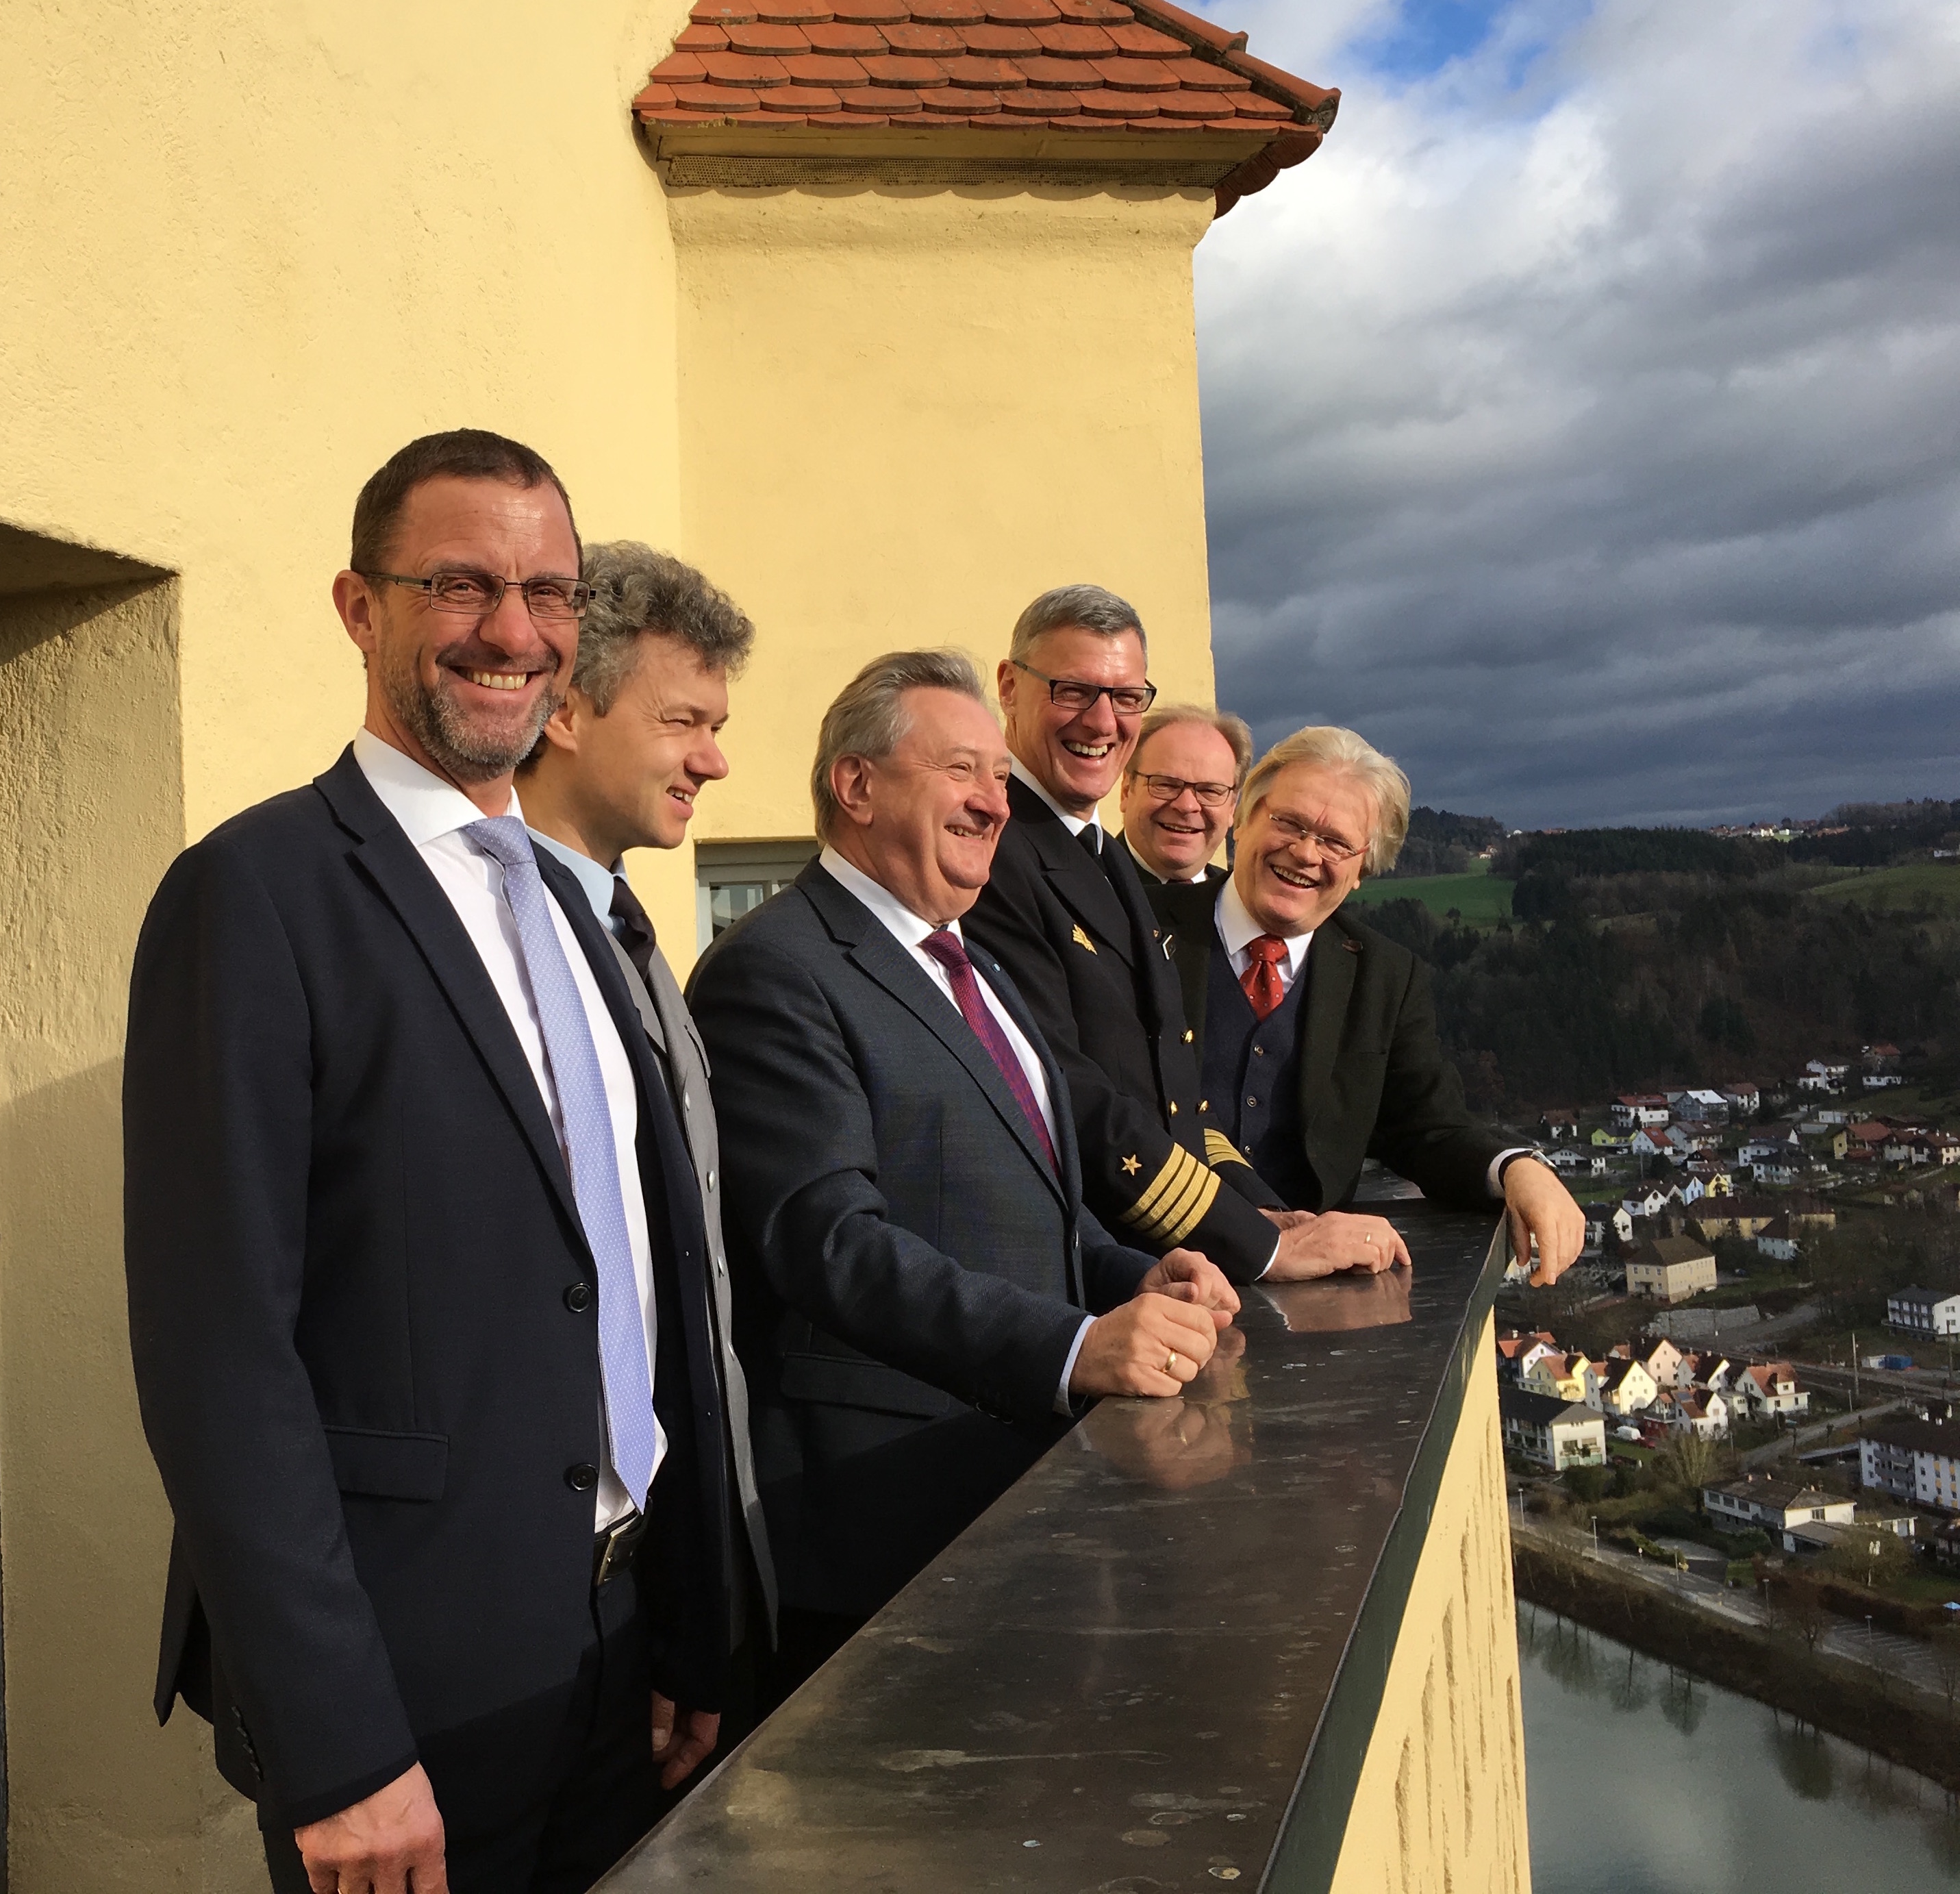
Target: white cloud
(1585, 427)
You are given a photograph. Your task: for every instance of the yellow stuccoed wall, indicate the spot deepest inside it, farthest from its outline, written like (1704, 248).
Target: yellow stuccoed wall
(248, 250)
(905, 411)
(1441, 1805)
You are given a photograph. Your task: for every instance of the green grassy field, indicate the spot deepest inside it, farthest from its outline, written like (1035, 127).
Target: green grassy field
(1482, 899)
(1916, 884)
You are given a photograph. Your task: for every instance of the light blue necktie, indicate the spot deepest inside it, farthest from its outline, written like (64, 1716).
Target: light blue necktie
(589, 1151)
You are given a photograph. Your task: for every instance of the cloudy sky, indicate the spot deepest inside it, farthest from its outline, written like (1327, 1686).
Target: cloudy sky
(1582, 421)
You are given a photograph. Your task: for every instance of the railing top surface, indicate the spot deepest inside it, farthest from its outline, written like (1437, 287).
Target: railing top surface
(1113, 1680)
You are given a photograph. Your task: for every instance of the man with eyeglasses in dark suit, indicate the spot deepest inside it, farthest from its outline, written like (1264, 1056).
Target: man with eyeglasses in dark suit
(1180, 789)
(1316, 1035)
(1065, 913)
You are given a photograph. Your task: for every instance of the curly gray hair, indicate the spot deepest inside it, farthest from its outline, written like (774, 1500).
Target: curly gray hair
(634, 589)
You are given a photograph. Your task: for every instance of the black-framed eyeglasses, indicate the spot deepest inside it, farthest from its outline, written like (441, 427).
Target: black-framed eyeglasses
(475, 594)
(1334, 848)
(1071, 693)
(1212, 795)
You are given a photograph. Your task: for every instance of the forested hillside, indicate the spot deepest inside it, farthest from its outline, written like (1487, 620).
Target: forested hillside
(1642, 958)
(1441, 842)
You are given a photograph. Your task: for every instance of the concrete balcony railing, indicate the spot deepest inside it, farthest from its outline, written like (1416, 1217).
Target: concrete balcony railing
(1263, 1634)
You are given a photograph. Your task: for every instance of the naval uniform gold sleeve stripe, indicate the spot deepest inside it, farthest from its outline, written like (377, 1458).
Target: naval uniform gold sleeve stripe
(1220, 1150)
(1189, 1212)
(1176, 1200)
(1143, 1211)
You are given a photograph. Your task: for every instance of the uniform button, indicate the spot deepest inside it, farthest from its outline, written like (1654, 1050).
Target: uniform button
(583, 1478)
(1204, 1104)
(686, 1098)
(1173, 1108)
(578, 1297)
(1250, 1099)
(1258, 1052)
(711, 1179)
(1187, 1035)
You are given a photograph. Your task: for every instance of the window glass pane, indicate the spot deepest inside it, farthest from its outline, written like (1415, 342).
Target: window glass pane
(730, 901)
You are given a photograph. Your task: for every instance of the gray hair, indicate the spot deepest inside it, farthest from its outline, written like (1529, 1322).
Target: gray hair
(635, 590)
(1234, 730)
(868, 717)
(1331, 747)
(1066, 608)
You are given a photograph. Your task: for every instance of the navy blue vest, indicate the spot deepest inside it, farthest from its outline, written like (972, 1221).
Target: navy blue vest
(1252, 1077)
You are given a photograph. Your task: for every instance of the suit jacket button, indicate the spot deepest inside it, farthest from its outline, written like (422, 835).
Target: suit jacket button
(583, 1478)
(1173, 1108)
(578, 1297)
(1187, 1035)
(710, 1177)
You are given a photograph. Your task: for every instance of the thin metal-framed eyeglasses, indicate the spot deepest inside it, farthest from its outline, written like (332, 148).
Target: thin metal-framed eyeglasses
(475, 594)
(1332, 847)
(1211, 795)
(1071, 693)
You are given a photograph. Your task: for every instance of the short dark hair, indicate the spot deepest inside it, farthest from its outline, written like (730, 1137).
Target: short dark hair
(636, 590)
(463, 453)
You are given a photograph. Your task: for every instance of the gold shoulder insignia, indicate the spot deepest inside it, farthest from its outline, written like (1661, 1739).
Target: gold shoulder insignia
(1082, 939)
(1131, 1165)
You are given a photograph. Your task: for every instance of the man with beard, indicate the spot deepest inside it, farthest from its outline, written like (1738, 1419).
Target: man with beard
(416, 1264)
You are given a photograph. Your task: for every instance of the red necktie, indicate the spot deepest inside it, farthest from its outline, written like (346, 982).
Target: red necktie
(1261, 978)
(945, 949)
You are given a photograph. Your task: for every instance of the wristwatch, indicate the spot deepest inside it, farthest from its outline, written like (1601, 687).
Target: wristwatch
(1516, 1155)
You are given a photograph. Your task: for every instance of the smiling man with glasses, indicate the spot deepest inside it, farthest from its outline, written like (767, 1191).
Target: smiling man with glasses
(1063, 912)
(1180, 790)
(1317, 1035)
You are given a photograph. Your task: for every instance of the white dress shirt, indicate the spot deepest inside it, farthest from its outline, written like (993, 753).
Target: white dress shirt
(1237, 930)
(1073, 824)
(433, 814)
(909, 930)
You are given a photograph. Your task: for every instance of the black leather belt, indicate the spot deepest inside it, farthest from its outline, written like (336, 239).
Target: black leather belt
(613, 1550)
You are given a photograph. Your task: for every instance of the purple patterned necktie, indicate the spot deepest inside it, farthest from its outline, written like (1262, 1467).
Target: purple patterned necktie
(945, 947)
(591, 1154)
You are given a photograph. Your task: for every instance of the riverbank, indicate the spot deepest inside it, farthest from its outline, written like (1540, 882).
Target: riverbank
(1878, 1708)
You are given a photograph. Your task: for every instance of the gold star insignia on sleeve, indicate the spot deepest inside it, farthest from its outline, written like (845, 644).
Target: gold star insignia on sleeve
(1131, 1166)
(1082, 939)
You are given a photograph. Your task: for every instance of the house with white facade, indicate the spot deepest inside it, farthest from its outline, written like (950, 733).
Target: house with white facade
(1698, 1107)
(1743, 1096)
(1767, 1390)
(1917, 1311)
(1618, 1387)
(1635, 1109)
(1776, 1504)
(1777, 1241)
(1551, 1432)
(1918, 1461)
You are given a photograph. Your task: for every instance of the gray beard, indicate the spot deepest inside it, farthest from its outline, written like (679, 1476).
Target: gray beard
(433, 720)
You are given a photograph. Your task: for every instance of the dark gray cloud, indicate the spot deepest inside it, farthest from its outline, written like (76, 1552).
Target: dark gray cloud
(1582, 423)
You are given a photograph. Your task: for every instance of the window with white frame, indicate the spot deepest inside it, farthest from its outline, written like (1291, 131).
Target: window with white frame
(733, 878)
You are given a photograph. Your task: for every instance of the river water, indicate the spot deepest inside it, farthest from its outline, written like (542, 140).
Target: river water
(1644, 1780)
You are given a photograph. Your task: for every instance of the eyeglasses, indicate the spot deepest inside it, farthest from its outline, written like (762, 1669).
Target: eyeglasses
(1333, 847)
(1212, 795)
(1071, 693)
(477, 594)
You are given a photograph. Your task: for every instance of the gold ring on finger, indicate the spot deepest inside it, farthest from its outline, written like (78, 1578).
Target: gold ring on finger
(1170, 1362)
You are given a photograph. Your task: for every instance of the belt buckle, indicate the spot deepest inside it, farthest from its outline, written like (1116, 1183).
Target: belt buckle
(615, 1546)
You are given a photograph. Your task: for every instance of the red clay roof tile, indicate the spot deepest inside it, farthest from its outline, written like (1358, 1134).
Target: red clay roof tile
(838, 37)
(930, 40)
(1126, 66)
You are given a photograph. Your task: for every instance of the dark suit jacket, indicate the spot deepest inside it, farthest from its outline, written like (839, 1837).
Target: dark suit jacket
(910, 1273)
(350, 1239)
(1078, 939)
(1373, 1081)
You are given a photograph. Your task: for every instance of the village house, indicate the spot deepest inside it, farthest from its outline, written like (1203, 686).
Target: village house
(1733, 1216)
(1619, 1386)
(1766, 1390)
(1638, 1109)
(1917, 1311)
(1516, 1350)
(1670, 1269)
(1776, 1240)
(1743, 1097)
(1551, 1432)
(1698, 1107)
(1758, 1499)
(1559, 1121)
(1914, 1460)
(1663, 1363)
(1699, 1411)
(1556, 1377)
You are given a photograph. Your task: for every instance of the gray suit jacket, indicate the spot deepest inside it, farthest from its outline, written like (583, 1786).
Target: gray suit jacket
(684, 1060)
(911, 1273)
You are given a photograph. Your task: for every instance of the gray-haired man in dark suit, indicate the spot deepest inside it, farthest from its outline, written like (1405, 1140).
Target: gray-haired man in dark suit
(922, 1301)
